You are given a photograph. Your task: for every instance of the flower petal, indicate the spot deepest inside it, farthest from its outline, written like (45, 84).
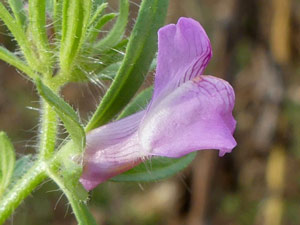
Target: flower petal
(188, 111)
(111, 150)
(184, 51)
(195, 116)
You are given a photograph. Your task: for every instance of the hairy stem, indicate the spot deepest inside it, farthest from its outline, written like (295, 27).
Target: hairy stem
(21, 190)
(36, 174)
(48, 131)
(80, 210)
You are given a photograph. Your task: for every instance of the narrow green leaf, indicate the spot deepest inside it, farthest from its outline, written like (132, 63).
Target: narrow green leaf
(96, 3)
(110, 72)
(13, 60)
(87, 8)
(97, 26)
(97, 13)
(114, 54)
(49, 7)
(153, 65)
(57, 18)
(20, 36)
(116, 33)
(17, 7)
(155, 169)
(139, 103)
(65, 112)
(139, 54)
(37, 18)
(89, 69)
(37, 27)
(74, 24)
(22, 165)
(7, 161)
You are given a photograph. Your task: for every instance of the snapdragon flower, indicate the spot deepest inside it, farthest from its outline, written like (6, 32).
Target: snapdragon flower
(188, 111)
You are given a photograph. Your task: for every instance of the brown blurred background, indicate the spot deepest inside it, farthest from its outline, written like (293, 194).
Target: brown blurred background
(256, 47)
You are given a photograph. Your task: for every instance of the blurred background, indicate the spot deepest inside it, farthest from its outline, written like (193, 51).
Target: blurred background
(256, 46)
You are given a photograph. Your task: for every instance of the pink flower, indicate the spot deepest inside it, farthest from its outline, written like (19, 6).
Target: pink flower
(188, 111)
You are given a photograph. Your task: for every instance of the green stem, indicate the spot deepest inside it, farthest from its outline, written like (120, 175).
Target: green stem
(36, 174)
(80, 210)
(48, 131)
(21, 190)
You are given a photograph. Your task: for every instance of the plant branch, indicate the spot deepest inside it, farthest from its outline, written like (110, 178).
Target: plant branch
(13, 60)
(82, 213)
(48, 131)
(21, 190)
(19, 35)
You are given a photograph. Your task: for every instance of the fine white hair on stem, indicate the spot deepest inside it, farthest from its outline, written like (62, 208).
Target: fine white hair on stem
(67, 210)
(58, 200)
(135, 4)
(95, 97)
(33, 108)
(181, 177)
(54, 190)
(141, 186)
(118, 51)
(48, 180)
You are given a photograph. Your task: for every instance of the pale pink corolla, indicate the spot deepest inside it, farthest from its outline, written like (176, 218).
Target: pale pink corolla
(188, 111)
